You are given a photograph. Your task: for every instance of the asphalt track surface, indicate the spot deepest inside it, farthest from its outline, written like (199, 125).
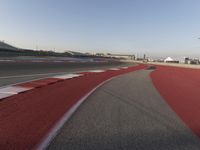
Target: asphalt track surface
(16, 72)
(26, 118)
(126, 114)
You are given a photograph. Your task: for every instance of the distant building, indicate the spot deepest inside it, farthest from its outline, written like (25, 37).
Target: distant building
(168, 59)
(194, 61)
(191, 61)
(100, 54)
(187, 60)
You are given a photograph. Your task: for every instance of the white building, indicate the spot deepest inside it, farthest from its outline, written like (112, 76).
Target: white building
(170, 60)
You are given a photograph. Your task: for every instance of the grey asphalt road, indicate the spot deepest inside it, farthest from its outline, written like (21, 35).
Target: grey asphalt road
(127, 113)
(15, 72)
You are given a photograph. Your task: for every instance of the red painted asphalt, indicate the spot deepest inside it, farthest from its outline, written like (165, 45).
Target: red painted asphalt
(180, 87)
(40, 83)
(27, 117)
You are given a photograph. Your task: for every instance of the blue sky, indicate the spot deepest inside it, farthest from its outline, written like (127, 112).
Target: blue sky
(155, 27)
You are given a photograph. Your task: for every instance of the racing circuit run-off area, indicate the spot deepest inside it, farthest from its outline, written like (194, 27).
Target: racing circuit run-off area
(31, 119)
(180, 87)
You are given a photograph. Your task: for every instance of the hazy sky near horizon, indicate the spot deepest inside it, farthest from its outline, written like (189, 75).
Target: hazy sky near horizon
(155, 27)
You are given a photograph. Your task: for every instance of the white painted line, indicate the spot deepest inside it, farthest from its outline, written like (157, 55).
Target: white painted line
(13, 90)
(97, 71)
(5, 95)
(67, 76)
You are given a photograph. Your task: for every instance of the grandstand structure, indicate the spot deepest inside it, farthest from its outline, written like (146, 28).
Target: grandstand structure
(7, 50)
(6, 46)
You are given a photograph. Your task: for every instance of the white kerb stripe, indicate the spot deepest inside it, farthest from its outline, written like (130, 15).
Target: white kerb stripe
(13, 89)
(114, 69)
(96, 71)
(5, 95)
(67, 76)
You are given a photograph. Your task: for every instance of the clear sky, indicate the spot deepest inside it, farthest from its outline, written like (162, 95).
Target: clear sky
(155, 27)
